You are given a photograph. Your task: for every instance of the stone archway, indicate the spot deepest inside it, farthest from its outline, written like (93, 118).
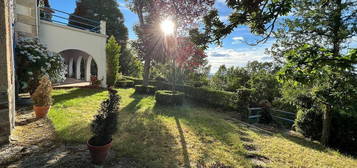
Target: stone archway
(79, 64)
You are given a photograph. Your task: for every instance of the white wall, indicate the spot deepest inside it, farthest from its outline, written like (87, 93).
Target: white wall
(58, 38)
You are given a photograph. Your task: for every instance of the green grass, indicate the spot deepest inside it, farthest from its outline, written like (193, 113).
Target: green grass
(182, 136)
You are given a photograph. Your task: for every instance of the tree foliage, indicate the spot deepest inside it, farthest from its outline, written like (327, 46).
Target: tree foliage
(259, 15)
(101, 10)
(185, 13)
(313, 46)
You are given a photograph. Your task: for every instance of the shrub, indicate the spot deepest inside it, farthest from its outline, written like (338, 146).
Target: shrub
(125, 83)
(309, 123)
(344, 133)
(167, 97)
(141, 89)
(94, 81)
(34, 61)
(137, 81)
(105, 123)
(42, 94)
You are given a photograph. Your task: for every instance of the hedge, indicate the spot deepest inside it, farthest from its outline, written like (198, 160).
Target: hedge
(166, 97)
(141, 89)
(125, 83)
(204, 95)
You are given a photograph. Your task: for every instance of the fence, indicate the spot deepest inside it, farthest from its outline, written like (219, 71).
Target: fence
(284, 117)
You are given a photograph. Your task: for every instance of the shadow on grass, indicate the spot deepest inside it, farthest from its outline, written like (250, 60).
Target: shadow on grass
(186, 157)
(75, 93)
(145, 137)
(208, 126)
(304, 142)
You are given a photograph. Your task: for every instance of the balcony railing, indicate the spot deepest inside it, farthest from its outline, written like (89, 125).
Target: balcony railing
(64, 18)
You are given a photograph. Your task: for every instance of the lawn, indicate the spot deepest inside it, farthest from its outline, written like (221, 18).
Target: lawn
(184, 136)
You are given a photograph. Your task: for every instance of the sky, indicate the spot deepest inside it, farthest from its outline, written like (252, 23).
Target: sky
(233, 52)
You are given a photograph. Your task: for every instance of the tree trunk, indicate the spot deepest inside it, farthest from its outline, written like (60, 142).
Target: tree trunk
(326, 125)
(147, 59)
(336, 40)
(146, 71)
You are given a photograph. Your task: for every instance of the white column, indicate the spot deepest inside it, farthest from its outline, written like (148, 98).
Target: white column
(87, 68)
(78, 67)
(103, 26)
(70, 67)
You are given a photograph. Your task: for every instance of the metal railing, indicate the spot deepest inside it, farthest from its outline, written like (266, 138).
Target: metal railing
(284, 116)
(64, 18)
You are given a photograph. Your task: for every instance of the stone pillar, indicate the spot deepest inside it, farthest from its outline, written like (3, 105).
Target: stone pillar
(26, 18)
(70, 67)
(78, 67)
(87, 68)
(7, 79)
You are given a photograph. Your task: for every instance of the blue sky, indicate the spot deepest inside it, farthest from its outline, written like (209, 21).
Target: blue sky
(233, 52)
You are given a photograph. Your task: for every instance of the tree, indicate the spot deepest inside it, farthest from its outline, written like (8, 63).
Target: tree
(186, 14)
(113, 55)
(259, 15)
(131, 65)
(101, 10)
(312, 46)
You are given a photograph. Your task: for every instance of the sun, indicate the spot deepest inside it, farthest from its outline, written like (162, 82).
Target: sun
(168, 27)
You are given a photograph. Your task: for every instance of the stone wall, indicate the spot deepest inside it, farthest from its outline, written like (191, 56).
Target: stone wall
(7, 82)
(26, 14)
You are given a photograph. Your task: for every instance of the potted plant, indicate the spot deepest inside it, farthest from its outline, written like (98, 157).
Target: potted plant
(103, 127)
(42, 97)
(95, 83)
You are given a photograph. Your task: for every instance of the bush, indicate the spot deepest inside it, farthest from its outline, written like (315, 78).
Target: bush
(343, 135)
(137, 81)
(34, 61)
(125, 83)
(105, 123)
(309, 123)
(42, 94)
(167, 97)
(141, 89)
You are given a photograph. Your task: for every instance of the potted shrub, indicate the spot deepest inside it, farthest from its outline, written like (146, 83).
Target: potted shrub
(95, 82)
(42, 97)
(103, 127)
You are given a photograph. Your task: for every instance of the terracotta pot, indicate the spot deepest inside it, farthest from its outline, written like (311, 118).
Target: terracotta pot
(41, 111)
(98, 153)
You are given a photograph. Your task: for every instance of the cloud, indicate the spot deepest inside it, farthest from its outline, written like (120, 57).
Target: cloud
(237, 40)
(230, 57)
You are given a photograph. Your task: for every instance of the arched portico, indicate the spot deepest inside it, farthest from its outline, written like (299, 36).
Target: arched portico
(79, 64)
(80, 49)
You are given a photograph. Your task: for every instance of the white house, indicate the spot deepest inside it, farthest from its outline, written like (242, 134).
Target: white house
(83, 48)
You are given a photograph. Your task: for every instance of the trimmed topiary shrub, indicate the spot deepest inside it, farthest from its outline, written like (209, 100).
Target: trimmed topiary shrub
(167, 97)
(125, 83)
(105, 123)
(141, 89)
